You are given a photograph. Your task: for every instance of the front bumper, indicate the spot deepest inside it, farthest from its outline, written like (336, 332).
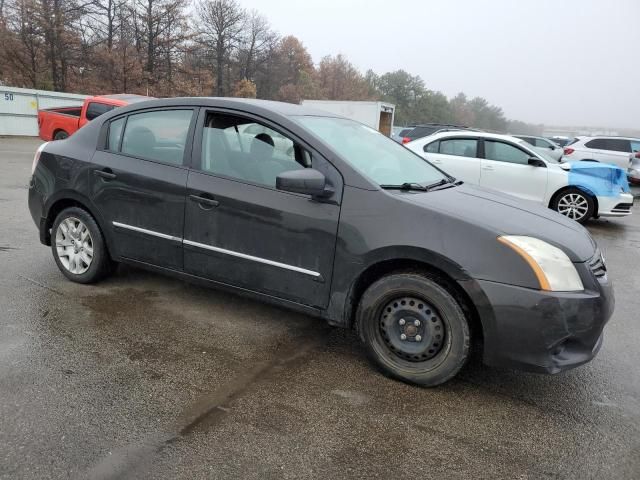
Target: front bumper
(618, 206)
(546, 332)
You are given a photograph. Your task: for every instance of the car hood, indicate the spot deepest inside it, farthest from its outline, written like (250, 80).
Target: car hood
(507, 215)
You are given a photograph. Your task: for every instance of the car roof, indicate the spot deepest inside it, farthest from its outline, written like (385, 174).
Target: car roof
(615, 137)
(468, 133)
(244, 104)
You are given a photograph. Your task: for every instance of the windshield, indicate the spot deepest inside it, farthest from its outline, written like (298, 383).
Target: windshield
(371, 153)
(540, 151)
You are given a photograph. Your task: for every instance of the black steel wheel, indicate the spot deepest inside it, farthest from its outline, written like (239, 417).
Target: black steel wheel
(414, 328)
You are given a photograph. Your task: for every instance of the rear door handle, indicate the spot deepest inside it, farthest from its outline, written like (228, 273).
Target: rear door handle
(204, 201)
(107, 174)
(487, 168)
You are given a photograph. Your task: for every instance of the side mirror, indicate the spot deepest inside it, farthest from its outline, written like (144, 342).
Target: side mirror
(552, 147)
(536, 162)
(306, 181)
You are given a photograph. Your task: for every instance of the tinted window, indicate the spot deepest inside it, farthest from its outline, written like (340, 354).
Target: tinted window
(403, 133)
(462, 147)
(240, 148)
(420, 132)
(94, 109)
(115, 134)
(504, 152)
(159, 135)
(432, 147)
(598, 143)
(618, 145)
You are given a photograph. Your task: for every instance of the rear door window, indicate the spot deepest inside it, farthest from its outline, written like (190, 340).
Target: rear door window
(461, 147)
(505, 152)
(432, 147)
(95, 109)
(160, 135)
(618, 145)
(597, 144)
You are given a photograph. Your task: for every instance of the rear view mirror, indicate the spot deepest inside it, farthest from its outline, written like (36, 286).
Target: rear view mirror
(306, 181)
(536, 162)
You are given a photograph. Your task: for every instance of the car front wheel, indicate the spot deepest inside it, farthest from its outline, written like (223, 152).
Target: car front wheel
(574, 204)
(78, 246)
(414, 329)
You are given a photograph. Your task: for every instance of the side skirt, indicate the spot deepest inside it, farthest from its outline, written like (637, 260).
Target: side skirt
(261, 297)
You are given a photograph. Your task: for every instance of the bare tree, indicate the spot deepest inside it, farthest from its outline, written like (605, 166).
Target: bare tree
(221, 25)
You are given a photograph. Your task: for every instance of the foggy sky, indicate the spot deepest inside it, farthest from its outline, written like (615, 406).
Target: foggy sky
(562, 62)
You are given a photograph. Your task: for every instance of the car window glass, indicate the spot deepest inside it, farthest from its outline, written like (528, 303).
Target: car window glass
(95, 109)
(371, 153)
(115, 134)
(432, 147)
(504, 152)
(618, 145)
(240, 148)
(461, 147)
(598, 143)
(159, 135)
(541, 142)
(635, 145)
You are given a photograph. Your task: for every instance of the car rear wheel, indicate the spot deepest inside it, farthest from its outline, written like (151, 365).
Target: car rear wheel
(414, 329)
(574, 204)
(78, 246)
(60, 135)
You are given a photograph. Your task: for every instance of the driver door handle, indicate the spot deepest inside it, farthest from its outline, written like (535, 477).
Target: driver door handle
(107, 174)
(204, 201)
(487, 167)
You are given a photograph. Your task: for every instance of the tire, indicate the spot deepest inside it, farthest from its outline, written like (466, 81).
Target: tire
(81, 255)
(433, 350)
(575, 204)
(60, 135)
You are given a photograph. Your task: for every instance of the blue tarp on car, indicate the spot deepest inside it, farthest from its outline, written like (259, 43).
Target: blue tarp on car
(600, 179)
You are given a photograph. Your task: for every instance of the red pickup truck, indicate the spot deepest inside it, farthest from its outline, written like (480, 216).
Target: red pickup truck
(59, 123)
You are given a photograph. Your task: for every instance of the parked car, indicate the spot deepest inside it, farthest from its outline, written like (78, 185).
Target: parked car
(614, 150)
(426, 129)
(59, 123)
(633, 174)
(353, 228)
(552, 149)
(579, 190)
(398, 133)
(560, 140)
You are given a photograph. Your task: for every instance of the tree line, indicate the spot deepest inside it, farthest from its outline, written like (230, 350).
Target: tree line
(200, 48)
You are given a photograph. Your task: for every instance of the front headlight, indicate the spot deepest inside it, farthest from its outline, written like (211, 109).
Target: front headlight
(552, 267)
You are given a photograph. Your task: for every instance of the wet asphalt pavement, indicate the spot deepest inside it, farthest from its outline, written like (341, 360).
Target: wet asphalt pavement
(143, 376)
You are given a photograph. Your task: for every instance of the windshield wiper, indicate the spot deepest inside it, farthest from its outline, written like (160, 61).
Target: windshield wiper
(407, 186)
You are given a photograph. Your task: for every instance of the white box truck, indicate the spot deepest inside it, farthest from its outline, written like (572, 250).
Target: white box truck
(378, 115)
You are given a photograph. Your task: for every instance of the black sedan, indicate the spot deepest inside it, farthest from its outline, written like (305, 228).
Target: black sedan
(328, 217)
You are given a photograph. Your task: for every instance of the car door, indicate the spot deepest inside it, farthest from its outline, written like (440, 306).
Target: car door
(240, 230)
(138, 183)
(457, 156)
(505, 168)
(617, 152)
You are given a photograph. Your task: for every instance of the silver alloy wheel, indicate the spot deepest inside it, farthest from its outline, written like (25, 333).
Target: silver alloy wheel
(74, 245)
(573, 205)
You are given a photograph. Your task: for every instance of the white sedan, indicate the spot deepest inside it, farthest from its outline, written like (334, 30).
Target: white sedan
(579, 190)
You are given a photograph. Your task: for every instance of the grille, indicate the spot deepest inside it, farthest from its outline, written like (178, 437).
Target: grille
(597, 266)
